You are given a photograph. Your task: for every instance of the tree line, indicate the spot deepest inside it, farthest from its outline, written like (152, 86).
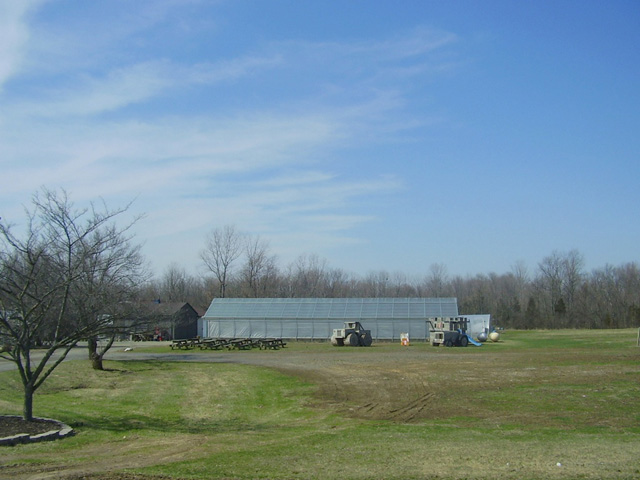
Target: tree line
(76, 274)
(557, 293)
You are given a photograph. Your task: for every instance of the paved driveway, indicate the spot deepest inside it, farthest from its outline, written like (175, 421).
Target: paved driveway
(80, 352)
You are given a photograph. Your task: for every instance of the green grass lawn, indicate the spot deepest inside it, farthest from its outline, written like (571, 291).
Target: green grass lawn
(578, 406)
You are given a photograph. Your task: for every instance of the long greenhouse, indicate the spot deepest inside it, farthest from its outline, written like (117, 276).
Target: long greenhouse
(315, 318)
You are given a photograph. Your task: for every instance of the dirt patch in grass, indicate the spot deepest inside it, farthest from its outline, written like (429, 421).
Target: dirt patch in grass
(410, 385)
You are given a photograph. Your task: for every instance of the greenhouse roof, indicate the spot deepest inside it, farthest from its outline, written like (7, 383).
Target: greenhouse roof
(331, 308)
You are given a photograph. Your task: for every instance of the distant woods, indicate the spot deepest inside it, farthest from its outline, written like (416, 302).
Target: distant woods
(105, 272)
(557, 293)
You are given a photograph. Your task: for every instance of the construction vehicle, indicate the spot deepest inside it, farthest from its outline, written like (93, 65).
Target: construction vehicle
(449, 331)
(352, 335)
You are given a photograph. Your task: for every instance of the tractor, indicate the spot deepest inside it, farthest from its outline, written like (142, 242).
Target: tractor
(448, 331)
(352, 335)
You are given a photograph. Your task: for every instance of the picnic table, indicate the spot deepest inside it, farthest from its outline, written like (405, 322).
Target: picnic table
(273, 343)
(185, 344)
(229, 343)
(213, 343)
(240, 344)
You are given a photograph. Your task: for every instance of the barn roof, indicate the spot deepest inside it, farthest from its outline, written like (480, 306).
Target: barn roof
(331, 308)
(157, 308)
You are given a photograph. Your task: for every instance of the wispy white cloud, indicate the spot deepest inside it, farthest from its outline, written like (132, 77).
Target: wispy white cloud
(111, 131)
(298, 178)
(90, 96)
(93, 36)
(14, 34)
(112, 157)
(418, 42)
(412, 53)
(130, 85)
(230, 69)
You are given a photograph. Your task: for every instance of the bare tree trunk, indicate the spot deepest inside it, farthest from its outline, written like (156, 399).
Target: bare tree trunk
(27, 407)
(96, 355)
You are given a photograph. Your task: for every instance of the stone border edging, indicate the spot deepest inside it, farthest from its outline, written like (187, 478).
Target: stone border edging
(62, 432)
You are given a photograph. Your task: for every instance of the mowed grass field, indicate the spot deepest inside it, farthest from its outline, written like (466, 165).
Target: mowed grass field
(537, 404)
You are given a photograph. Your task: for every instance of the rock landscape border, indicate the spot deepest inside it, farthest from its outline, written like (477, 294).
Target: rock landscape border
(61, 430)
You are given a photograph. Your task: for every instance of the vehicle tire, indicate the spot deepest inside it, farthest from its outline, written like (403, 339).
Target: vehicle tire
(451, 339)
(366, 340)
(352, 340)
(464, 340)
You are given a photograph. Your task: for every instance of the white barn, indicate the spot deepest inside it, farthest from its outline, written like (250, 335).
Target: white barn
(315, 318)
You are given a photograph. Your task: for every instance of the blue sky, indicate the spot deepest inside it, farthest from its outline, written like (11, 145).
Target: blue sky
(378, 135)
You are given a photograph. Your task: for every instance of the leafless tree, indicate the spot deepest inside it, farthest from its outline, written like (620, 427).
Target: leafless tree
(108, 286)
(559, 279)
(436, 283)
(308, 276)
(339, 284)
(573, 273)
(223, 247)
(376, 284)
(177, 285)
(259, 266)
(61, 283)
(550, 282)
(522, 281)
(611, 297)
(402, 286)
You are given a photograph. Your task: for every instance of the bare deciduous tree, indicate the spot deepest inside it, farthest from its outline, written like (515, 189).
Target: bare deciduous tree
(559, 280)
(309, 276)
(376, 284)
(108, 286)
(176, 285)
(437, 281)
(222, 249)
(258, 267)
(60, 284)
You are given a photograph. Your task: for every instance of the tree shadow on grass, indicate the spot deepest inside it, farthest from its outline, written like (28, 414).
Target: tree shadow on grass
(118, 423)
(135, 423)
